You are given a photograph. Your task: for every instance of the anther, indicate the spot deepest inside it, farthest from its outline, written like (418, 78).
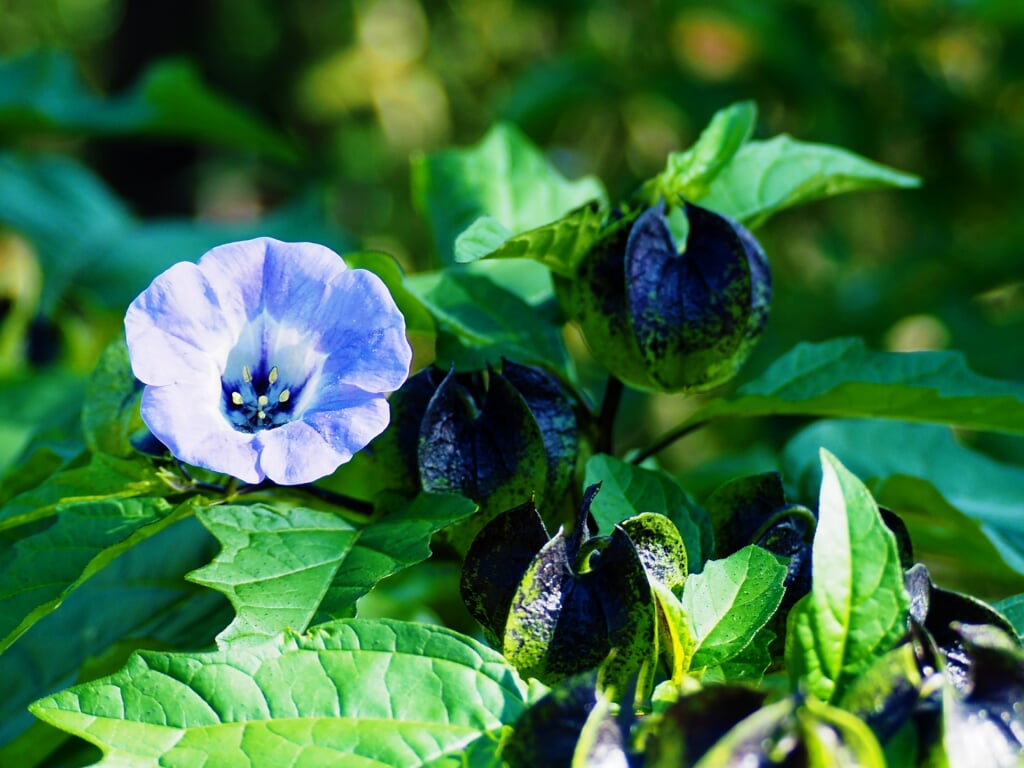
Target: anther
(246, 376)
(236, 398)
(273, 375)
(262, 400)
(283, 397)
(261, 413)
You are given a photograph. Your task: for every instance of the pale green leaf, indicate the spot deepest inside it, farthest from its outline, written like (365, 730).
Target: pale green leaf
(275, 566)
(842, 377)
(504, 177)
(764, 177)
(857, 608)
(350, 693)
(729, 602)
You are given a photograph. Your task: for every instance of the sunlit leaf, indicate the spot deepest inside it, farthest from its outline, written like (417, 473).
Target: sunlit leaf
(764, 177)
(372, 693)
(730, 601)
(857, 607)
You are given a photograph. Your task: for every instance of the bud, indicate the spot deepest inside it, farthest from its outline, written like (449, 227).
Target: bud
(499, 438)
(666, 318)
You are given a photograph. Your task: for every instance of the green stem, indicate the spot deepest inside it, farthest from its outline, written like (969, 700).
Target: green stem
(667, 439)
(606, 417)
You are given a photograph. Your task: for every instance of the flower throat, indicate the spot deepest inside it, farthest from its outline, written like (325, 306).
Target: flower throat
(258, 401)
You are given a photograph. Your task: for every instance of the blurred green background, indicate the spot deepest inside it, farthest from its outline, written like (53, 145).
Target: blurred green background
(332, 98)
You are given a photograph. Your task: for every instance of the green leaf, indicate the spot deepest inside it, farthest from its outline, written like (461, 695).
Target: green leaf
(1013, 609)
(399, 538)
(275, 566)
(858, 606)
(504, 177)
(843, 378)
(729, 602)
(368, 693)
(41, 91)
(488, 320)
(962, 509)
(689, 174)
(47, 562)
(627, 490)
(32, 405)
(559, 245)
(764, 177)
(140, 599)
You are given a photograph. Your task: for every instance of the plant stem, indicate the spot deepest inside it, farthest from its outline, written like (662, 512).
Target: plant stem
(667, 439)
(359, 506)
(606, 418)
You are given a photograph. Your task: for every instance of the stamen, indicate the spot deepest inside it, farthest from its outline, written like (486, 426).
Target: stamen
(262, 400)
(261, 413)
(246, 376)
(273, 375)
(236, 398)
(283, 397)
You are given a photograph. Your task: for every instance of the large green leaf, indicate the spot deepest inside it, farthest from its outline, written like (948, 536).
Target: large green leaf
(842, 377)
(858, 606)
(961, 508)
(764, 177)
(42, 91)
(628, 490)
(44, 563)
(488, 320)
(504, 177)
(729, 602)
(275, 566)
(139, 600)
(359, 693)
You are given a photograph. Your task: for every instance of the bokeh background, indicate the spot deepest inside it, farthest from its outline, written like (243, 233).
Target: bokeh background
(935, 87)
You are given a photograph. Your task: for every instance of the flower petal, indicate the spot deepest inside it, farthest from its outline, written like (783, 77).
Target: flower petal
(187, 419)
(363, 332)
(177, 327)
(296, 277)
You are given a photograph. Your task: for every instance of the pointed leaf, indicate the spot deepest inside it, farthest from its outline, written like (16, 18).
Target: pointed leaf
(373, 693)
(842, 377)
(275, 567)
(764, 177)
(858, 607)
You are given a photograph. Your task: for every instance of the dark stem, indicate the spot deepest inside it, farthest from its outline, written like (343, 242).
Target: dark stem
(606, 418)
(666, 440)
(359, 506)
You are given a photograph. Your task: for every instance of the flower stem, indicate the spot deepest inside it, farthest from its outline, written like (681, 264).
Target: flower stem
(606, 418)
(359, 506)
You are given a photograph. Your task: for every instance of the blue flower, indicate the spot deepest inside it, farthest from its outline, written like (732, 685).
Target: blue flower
(267, 359)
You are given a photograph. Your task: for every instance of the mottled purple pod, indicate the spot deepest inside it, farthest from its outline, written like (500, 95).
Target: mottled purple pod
(665, 318)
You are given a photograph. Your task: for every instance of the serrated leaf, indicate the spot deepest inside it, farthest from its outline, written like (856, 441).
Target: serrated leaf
(275, 567)
(858, 606)
(627, 490)
(504, 177)
(961, 508)
(395, 540)
(44, 564)
(488, 320)
(729, 602)
(353, 692)
(842, 377)
(559, 245)
(764, 177)
(688, 174)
